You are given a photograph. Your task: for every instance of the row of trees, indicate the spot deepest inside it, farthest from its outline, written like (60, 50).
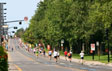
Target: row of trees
(75, 21)
(19, 32)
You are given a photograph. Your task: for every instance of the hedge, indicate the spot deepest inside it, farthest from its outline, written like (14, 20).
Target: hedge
(3, 60)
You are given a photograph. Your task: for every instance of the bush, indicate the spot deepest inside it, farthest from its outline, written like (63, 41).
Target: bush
(3, 60)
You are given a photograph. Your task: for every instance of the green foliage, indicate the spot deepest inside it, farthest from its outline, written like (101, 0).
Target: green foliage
(19, 32)
(3, 60)
(75, 21)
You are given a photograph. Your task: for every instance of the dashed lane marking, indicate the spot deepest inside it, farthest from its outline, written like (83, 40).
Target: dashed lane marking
(26, 56)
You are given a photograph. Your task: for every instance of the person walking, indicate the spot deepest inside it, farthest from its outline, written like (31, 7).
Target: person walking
(65, 53)
(82, 56)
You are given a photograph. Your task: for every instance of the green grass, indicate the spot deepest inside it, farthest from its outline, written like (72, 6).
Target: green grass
(103, 58)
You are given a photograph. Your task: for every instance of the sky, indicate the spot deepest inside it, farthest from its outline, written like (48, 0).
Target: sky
(17, 10)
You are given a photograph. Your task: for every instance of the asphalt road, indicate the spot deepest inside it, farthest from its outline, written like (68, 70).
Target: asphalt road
(26, 61)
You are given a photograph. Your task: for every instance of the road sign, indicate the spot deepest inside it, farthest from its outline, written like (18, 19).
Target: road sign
(62, 41)
(25, 18)
(48, 47)
(97, 43)
(93, 47)
(62, 45)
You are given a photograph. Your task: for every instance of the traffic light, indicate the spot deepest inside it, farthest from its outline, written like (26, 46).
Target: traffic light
(106, 32)
(15, 27)
(13, 31)
(20, 23)
(10, 36)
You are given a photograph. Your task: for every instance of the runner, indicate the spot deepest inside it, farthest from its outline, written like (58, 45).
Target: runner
(12, 49)
(55, 55)
(40, 51)
(18, 47)
(50, 54)
(69, 56)
(44, 53)
(34, 50)
(82, 56)
(37, 53)
(65, 53)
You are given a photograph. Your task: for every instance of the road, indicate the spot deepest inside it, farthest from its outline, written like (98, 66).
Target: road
(25, 61)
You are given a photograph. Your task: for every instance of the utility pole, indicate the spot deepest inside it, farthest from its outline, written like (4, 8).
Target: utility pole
(1, 21)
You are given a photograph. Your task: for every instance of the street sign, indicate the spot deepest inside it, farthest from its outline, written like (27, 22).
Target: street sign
(62, 41)
(93, 47)
(97, 43)
(48, 47)
(25, 18)
(91, 51)
(62, 45)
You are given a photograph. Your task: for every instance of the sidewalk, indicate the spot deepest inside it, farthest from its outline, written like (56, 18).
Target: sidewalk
(12, 67)
(96, 63)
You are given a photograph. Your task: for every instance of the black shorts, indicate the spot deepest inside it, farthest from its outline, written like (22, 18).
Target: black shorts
(65, 55)
(69, 56)
(82, 57)
(55, 57)
(44, 53)
(49, 54)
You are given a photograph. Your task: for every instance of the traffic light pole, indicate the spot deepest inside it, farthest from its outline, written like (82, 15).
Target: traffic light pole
(1, 24)
(14, 21)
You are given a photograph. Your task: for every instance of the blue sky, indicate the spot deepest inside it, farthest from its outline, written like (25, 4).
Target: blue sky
(18, 9)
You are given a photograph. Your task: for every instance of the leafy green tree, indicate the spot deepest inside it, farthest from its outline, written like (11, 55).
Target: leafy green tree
(75, 21)
(19, 32)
